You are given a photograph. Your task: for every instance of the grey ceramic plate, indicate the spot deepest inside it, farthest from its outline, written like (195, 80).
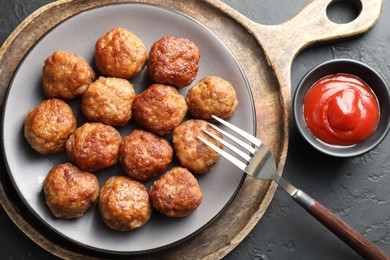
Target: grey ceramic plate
(78, 34)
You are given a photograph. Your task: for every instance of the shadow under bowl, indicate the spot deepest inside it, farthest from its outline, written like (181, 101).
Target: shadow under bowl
(362, 71)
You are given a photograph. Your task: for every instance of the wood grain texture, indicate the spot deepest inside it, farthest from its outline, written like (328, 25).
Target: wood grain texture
(265, 54)
(346, 233)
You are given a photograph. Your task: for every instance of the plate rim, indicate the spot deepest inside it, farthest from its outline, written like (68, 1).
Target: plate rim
(42, 220)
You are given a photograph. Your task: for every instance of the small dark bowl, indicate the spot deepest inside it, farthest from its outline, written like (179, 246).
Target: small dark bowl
(366, 73)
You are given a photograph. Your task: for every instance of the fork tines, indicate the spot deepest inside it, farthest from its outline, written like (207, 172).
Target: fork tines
(239, 131)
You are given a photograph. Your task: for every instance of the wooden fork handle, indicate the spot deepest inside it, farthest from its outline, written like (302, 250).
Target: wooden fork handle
(350, 236)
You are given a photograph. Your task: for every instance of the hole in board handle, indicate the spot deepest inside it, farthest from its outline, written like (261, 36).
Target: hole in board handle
(344, 11)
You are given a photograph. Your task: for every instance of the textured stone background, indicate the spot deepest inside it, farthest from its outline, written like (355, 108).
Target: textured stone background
(356, 189)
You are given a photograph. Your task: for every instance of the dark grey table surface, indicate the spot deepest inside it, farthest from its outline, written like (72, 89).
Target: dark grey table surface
(356, 189)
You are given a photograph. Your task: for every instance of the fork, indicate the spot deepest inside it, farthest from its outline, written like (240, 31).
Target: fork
(261, 165)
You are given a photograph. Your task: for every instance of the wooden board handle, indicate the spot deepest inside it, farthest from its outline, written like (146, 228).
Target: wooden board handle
(281, 43)
(346, 233)
(312, 25)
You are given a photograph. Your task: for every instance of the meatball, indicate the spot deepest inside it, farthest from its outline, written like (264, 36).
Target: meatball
(212, 96)
(173, 61)
(109, 101)
(159, 109)
(144, 155)
(124, 203)
(94, 146)
(191, 152)
(176, 193)
(66, 75)
(120, 53)
(70, 192)
(48, 126)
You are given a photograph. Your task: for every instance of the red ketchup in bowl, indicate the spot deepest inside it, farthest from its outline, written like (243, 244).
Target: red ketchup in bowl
(341, 109)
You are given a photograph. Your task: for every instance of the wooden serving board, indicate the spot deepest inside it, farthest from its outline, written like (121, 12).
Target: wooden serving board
(265, 54)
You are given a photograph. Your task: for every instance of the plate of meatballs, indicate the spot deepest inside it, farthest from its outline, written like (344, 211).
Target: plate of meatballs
(101, 121)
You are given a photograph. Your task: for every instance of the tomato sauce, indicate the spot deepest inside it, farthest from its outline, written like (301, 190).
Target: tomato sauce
(341, 109)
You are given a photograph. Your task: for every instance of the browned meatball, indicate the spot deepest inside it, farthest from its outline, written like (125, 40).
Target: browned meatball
(176, 193)
(212, 96)
(48, 126)
(124, 203)
(109, 101)
(66, 75)
(94, 146)
(69, 191)
(191, 152)
(173, 61)
(120, 53)
(159, 108)
(144, 155)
